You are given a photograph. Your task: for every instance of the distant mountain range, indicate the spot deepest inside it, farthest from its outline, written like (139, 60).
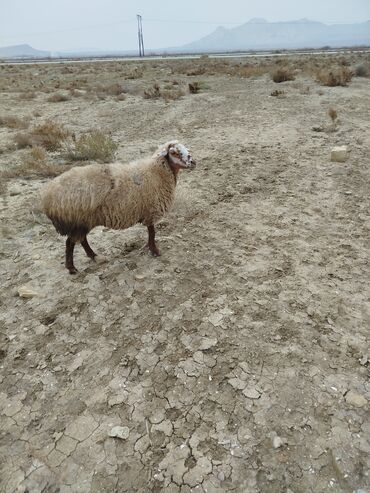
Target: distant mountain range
(257, 34)
(22, 51)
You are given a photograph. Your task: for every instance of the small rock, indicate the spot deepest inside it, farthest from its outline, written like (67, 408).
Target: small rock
(355, 399)
(364, 360)
(27, 292)
(122, 432)
(207, 343)
(251, 393)
(237, 383)
(339, 154)
(277, 442)
(221, 476)
(216, 319)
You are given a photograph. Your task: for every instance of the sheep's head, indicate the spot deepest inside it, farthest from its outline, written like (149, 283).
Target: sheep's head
(178, 155)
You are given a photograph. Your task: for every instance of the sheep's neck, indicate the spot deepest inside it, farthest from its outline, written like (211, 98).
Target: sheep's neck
(175, 169)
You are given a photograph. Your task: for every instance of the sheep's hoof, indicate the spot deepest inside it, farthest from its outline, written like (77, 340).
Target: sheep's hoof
(155, 253)
(72, 270)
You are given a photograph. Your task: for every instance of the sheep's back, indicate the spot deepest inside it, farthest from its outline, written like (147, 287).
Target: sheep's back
(142, 193)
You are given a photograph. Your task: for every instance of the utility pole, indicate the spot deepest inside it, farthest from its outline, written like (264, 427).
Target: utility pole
(140, 35)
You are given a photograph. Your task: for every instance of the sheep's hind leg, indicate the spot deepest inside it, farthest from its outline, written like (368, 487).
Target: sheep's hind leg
(70, 245)
(151, 242)
(89, 251)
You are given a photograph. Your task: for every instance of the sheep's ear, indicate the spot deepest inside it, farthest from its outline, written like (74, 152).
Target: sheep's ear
(163, 153)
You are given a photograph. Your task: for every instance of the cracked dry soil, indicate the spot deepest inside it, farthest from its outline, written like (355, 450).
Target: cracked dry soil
(238, 360)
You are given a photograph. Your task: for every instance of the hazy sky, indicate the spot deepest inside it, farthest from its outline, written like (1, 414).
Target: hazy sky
(111, 24)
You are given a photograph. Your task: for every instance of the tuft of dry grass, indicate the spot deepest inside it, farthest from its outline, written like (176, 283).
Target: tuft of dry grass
(34, 165)
(282, 74)
(194, 87)
(50, 135)
(108, 90)
(172, 94)
(135, 73)
(278, 93)
(335, 77)
(153, 92)
(14, 122)
(57, 98)
(333, 114)
(94, 145)
(27, 95)
(362, 70)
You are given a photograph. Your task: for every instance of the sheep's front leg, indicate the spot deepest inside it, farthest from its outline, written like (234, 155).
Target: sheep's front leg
(70, 245)
(88, 250)
(151, 242)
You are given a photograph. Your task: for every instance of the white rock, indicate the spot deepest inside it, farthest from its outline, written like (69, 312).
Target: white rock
(339, 154)
(27, 292)
(355, 399)
(277, 442)
(122, 432)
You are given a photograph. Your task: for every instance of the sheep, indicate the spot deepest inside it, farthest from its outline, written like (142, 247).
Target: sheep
(114, 195)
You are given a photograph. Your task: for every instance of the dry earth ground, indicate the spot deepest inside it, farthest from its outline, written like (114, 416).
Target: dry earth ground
(238, 361)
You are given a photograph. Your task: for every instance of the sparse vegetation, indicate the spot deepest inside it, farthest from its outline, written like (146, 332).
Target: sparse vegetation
(333, 115)
(278, 93)
(153, 92)
(50, 135)
(340, 76)
(14, 122)
(109, 90)
(282, 74)
(94, 145)
(194, 87)
(136, 73)
(57, 98)
(34, 164)
(362, 70)
(27, 95)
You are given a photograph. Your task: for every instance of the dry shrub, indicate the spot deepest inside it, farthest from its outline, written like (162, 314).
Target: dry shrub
(173, 94)
(362, 70)
(194, 87)
(50, 135)
(336, 77)
(136, 73)
(27, 96)
(57, 98)
(333, 114)
(35, 157)
(94, 145)
(76, 93)
(34, 164)
(109, 90)
(153, 92)
(278, 93)
(14, 122)
(282, 74)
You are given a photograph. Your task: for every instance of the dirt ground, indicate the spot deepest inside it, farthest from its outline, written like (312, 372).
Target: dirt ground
(239, 359)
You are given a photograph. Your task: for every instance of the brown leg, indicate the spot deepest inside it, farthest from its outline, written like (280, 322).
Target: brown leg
(70, 244)
(89, 251)
(151, 242)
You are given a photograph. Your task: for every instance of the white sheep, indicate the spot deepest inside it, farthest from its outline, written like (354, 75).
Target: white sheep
(114, 195)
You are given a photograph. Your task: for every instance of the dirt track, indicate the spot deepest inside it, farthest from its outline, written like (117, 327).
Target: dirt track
(239, 359)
